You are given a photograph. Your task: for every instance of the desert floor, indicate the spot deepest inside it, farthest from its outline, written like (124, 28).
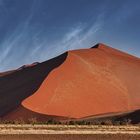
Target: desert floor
(69, 132)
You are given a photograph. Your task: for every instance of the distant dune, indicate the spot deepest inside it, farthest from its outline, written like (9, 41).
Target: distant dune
(76, 84)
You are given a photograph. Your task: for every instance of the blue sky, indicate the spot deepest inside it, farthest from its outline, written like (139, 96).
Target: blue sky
(36, 30)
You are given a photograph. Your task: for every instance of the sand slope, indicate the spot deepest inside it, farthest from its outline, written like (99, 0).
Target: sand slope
(89, 82)
(21, 83)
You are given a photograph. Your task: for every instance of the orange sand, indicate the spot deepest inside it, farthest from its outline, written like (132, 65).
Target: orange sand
(89, 82)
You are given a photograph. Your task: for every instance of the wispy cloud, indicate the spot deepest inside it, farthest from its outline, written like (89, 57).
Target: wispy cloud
(29, 44)
(15, 43)
(81, 36)
(85, 35)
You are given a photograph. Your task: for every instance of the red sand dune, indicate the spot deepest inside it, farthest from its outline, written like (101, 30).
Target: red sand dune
(89, 82)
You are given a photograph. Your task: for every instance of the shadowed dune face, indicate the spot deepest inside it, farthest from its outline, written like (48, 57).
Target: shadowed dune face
(20, 84)
(90, 82)
(134, 117)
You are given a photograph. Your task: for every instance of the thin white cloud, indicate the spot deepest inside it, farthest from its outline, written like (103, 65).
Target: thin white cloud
(8, 44)
(78, 37)
(83, 38)
(12, 45)
(72, 34)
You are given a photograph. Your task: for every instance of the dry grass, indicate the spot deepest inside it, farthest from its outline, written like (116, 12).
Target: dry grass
(68, 129)
(69, 132)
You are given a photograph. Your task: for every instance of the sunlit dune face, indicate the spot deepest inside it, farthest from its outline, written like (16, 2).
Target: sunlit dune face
(89, 82)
